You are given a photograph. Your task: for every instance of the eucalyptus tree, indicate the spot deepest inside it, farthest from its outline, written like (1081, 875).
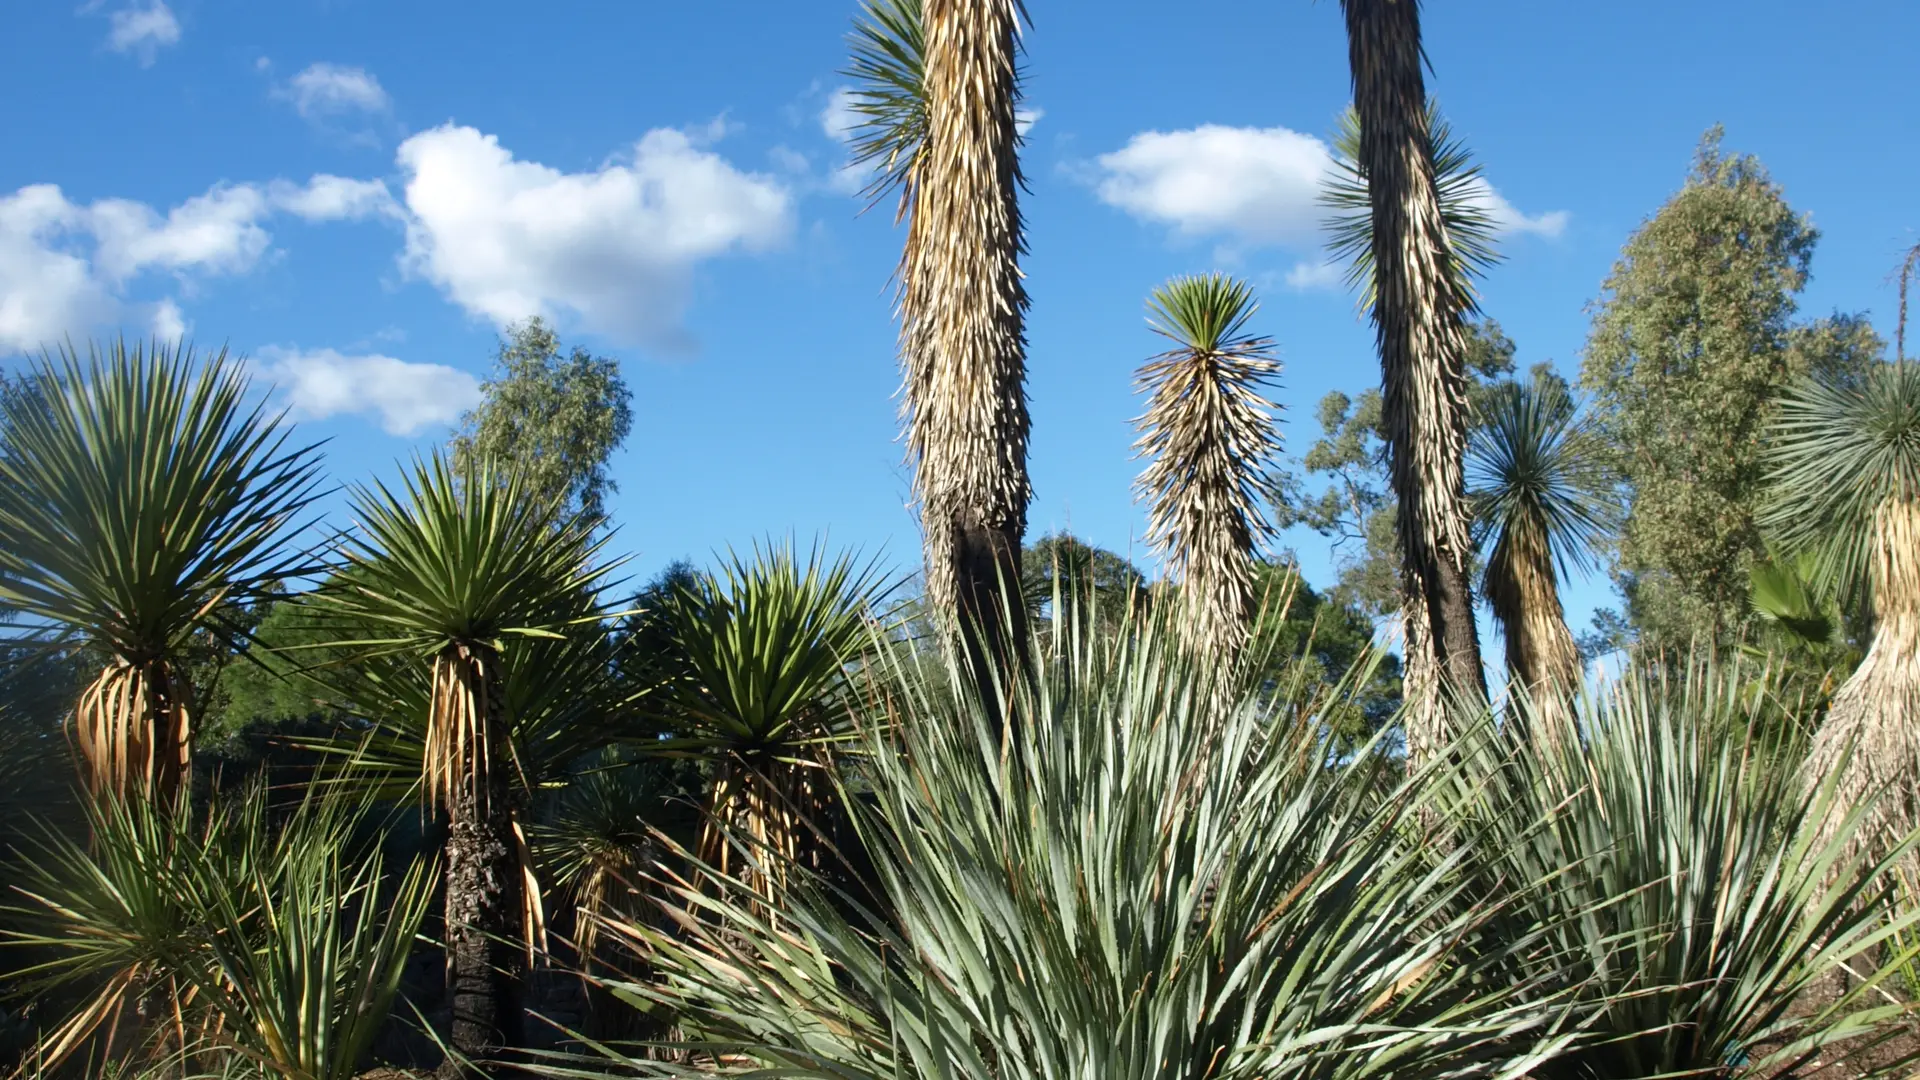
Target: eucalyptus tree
(143, 495)
(1845, 486)
(443, 581)
(1540, 491)
(1210, 437)
(1693, 344)
(1421, 234)
(938, 88)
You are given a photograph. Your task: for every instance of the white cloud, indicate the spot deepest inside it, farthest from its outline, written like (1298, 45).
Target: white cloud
(404, 397)
(44, 290)
(1250, 186)
(838, 118)
(506, 239)
(65, 267)
(1508, 218)
(1024, 119)
(332, 89)
(334, 198)
(169, 323)
(218, 232)
(1254, 184)
(1310, 275)
(142, 30)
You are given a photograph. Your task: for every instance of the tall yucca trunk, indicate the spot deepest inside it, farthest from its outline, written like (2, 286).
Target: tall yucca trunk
(134, 731)
(964, 311)
(1210, 437)
(1870, 736)
(469, 772)
(1417, 321)
(1542, 661)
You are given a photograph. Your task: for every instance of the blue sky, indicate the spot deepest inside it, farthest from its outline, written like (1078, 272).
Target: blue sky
(357, 193)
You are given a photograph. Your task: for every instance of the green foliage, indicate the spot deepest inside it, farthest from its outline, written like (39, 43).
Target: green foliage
(139, 491)
(1130, 886)
(272, 936)
(556, 419)
(1061, 564)
(766, 642)
(1464, 207)
(1692, 345)
(1537, 474)
(461, 558)
(1320, 665)
(889, 95)
(1842, 452)
(1348, 462)
(1680, 872)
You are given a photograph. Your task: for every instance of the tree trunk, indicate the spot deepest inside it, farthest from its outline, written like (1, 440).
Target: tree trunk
(484, 903)
(1871, 737)
(1543, 664)
(966, 307)
(1417, 322)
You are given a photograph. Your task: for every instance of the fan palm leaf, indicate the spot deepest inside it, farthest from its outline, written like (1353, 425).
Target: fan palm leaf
(140, 492)
(1845, 488)
(445, 573)
(1210, 437)
(1419, 300)
(1540, 490)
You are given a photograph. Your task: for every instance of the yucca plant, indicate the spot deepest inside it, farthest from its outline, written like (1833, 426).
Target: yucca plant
(1210, 436)
(767, 643)
(1845, 486)
(307, 956)
(1415, 245)
(1135, 885)
(938, 90)
(445, 573)
(235, 932)
(1542, 508)
(1688, 892)
(598, 844)
(140, 491)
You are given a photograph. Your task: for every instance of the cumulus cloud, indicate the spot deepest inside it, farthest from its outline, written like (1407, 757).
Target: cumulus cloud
(838, 118)
(404, 398)
(615, 246)
(322, 90)
(65, 266)
(1254, 187)
(1254, 184)
(334, 198)
(169, 322)
(44, 291)
(142, 30)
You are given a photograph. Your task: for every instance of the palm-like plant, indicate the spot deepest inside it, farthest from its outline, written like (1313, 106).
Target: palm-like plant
(1539, 488)
(767, 644)
(447, 573)
(1211, 438)
(1419, 260)
(1846, 486)
(139, 493)
(1139, 886)
(939, 87)
(234, 935)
